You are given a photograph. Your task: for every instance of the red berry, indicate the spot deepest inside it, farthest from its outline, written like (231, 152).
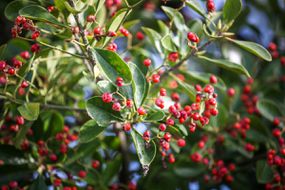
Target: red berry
(50, 8)
(171, 159)
(112, 34)
(57, 182)
(35, 48)
(282, 60)
(162, 127)
(13, 184)
(214, 112)
(249, 147)
(147, 62)
(53, 157)
(170, 122)
(213, 79)
(181, 142)
(35, 35)
(116, 106)
(193, 37)
(162, 92)
(159, 102)
(231, 92)
(196, 157)
(167, 137)
(129, 103)
(20, 120)
(25, 55)
(90, 18)
(82, 174)
(97, 31)
(124, 32)
(173, 56)
(127, 127)
(119, 81)
(140, 36)
(11, 71)
(276, 133)
(95, 164)
(24, 84)
(146, 135)
(195, 116)
(2, 65)
(276, 121)
(107, 97)
(141, 111)
(210, 6)
(272, 46)
(155, 78)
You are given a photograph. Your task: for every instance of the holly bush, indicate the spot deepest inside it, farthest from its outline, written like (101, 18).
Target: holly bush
(133, 94)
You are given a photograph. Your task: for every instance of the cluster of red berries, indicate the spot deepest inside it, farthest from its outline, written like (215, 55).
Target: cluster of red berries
(248, 98)
(220, 172)
(277, 161)
(131, 186)
(11, 185)
(240, 128)
(22, 23)
(273, 48)
(10, 68)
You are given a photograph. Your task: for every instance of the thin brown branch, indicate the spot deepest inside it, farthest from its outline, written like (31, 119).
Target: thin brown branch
(91, 57)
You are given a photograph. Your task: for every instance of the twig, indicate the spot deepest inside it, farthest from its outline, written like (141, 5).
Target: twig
(181, 62)
(90, 54)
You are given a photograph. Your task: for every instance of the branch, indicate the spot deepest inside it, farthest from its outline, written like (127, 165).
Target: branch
(90, 54)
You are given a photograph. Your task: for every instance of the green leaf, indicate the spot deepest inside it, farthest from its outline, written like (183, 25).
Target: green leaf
(112, 65)
(106, 86)
(39, 183)
(30, 111)
(59, 4)
(232, 9)
(189, 172)
(238, 68)
(196, 6)
(139, 85)
(89, 131)
(154, 38)
(146, 153)
(39, 13)
(253, 48)
(264, 172)
(12, 9)
(116, 22)
(102, 112)
(176, 16)
(182, 129)
(154, 115)
(168, 44)
(53, 123)
(268, 109)
(13, 48)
